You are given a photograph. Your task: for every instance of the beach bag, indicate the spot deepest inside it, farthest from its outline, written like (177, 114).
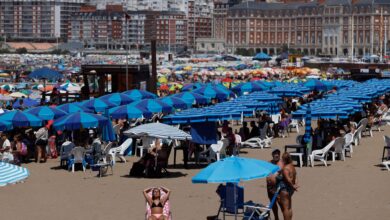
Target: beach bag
(23, 151)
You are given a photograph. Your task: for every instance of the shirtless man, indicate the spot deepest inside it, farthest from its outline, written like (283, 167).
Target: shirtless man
(271, 181)
(288, 185)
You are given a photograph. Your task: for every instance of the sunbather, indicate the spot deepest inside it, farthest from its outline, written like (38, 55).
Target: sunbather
(288, 185)
(157, 202)
(271, 181)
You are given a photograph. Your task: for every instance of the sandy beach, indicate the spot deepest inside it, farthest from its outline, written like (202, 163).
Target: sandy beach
(354, 189)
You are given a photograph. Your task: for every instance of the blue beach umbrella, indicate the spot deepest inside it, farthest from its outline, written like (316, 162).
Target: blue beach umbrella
(129, 112)
(307, 135)
(45, 73)
(315, 84)
(117, 99)
(27, 102)
(46, 112)
(192, 86)
(152, 105)
(192, 98)
(72, 108)
(249, 87)
(5, 125)
(98, 105)
(213, 92)
(10, 173)
(235, 169)
(175, 102)
(21, 119)
(137, 94)
(261, 57)
(80, 120)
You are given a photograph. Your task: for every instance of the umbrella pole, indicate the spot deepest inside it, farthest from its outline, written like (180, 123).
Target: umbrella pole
(235, 202)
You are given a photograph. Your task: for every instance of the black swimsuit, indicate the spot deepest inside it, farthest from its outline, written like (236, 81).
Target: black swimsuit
(158, 205)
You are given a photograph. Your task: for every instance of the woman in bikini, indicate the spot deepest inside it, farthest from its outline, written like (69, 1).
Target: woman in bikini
(157, 202)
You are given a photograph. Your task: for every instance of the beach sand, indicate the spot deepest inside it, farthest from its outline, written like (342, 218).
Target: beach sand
(354, 189)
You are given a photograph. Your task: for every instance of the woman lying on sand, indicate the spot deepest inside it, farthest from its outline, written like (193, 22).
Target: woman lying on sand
(157, 202)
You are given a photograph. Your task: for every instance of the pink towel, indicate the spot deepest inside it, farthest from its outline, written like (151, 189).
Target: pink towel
(166, 209)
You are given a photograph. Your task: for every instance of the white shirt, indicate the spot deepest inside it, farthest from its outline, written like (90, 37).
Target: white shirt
(6, 144)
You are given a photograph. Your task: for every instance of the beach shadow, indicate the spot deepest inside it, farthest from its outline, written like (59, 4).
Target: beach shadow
(383, 168)
(191, 166)
(58, 168)
(164, 176)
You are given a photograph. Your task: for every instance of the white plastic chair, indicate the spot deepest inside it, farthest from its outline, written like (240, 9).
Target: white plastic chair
(386, 164)
(120, 150)
(294, 124)
(238, 139)
(257, 142)
(348, 146)
(321, 155)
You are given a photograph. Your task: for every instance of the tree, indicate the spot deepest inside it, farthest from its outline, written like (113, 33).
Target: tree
(21, 50)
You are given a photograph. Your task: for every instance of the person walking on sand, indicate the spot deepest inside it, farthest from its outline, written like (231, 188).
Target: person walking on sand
(271, 181)
(288, 185)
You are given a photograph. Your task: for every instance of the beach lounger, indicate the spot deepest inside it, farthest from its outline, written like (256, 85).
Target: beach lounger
(255, 211)
(257, 142)
(166, 209)
(321, 155)
(386, 164)
(120, 150)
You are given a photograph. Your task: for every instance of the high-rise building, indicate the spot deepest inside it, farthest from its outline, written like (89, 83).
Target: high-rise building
(36, 20)
(325, 27)
(200, 17)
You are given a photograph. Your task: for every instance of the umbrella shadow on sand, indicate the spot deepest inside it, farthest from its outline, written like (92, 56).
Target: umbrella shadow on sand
(170, 175)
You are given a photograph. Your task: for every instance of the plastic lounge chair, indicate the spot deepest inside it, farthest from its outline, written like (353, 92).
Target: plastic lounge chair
(105, 161)
(386, 147)
(77, 157)
(120, 150)
(321, 155)
(212, 153)
(260, 212)
(357, 135)
(348, 146)
(166, 209)
(363, 123)
(386, 164)
(65, 150)
(257, 142)
(163, 157)
(231, 198)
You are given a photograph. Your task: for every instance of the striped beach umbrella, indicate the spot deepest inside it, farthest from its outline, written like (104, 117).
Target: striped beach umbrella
(10, 173)
(21, 119)
(307, 135)
(175, 102)
(192, 98)
(46, 112)
(72, 108)
(98, 105)
(129, 112)
(117, 99)
(137, 94)
(153, 105)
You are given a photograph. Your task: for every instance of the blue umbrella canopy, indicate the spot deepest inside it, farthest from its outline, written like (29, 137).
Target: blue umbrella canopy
(21, 119)
(315, 84)
(249, 87)
(80, 120)
(117, 99)
(152, 105)
(175, 102)
(235, 169)
(262, 57)
(129, 111)
(192, 86)
(27, 102)
(72, 108)
(46, 113)
(192, 98)
(137, 94)
(98, 105)
(307, 135)
(10, 173)
(5, 125)
(213, 92)
(45, 73)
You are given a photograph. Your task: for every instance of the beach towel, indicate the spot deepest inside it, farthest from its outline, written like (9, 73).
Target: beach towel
(166, 209)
